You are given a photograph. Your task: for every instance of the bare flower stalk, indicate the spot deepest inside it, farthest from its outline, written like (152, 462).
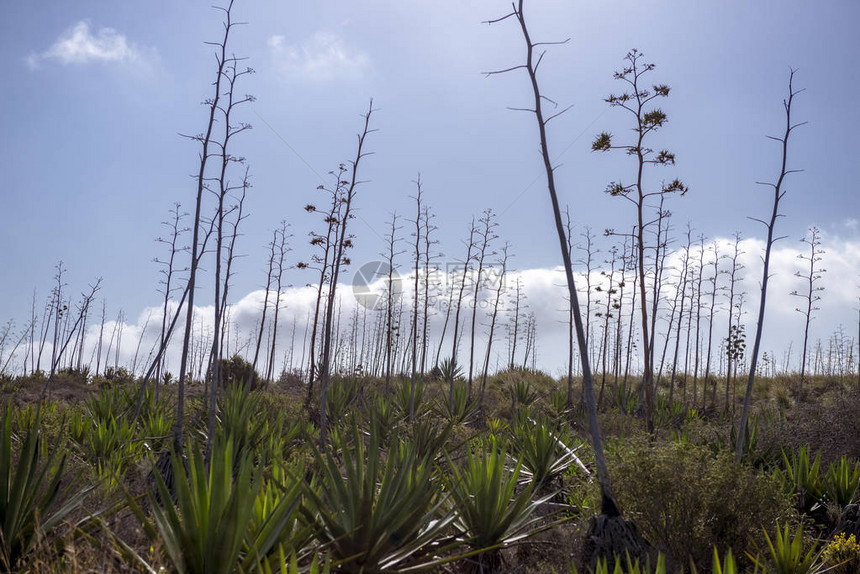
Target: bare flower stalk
(778, 194)
(83, 308)
(811, 293)
(343, 242)
(470, 254)
(168, 271)
(414, 380)
(500, 287)
(205, 140)
(638, 102)
(608, 505)
(487, 234)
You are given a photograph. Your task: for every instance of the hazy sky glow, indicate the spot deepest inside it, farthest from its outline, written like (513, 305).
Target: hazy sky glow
(95, 95)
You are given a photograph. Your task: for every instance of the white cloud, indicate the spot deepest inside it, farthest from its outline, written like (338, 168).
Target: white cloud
(324, 57)
(79, 46)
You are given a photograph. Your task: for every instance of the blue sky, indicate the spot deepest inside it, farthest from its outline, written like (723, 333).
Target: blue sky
(95, 94)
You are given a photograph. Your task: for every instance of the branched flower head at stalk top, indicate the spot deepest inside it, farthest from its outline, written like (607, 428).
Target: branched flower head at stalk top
(676, 185)
(654, 118)
(665, 157)
(602, 142)
(615, 188)
(618, 100)
(662, 90)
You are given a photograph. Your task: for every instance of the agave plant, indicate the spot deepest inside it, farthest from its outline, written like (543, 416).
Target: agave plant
(291, 565)
(26, 415)
(277, 438)
(376, 516)
(340, 396)
(457, 407)
(156, 428)
(32, 503)
(110, 402)
(728, 564)
(383, 416)
(220, 522)
(801, 476)
(151, 401)
(282, 485)
(669, 413)
(105, 441)
(496, 426)
(156, 420)
(239, 420)
(558, 404)
(842, 481)
(544, 453)
(521, 394)
(403, 397)
(490, 513)
(759, 456)
(104, 433)
(626, 399)
(429, 438)
(628, 565)
(786, 554)
(450, 370)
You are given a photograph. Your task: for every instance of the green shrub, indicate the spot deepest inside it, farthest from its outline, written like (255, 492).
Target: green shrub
(114, 376)
(238, 371)
(687, 499)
